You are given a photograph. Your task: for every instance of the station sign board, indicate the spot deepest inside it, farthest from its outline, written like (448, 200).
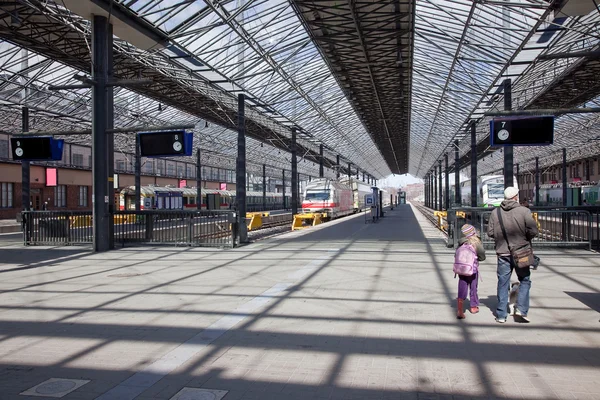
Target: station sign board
(37, 148)
(166, 144)
(522, 131)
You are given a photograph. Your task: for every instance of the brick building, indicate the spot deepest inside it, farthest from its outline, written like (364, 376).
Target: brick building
(585, 170)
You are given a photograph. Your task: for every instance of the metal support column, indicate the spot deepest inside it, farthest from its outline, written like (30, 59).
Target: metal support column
(264, 188)
(537, 181)
(435, 188)
(440, 194)
(587, 170)
(337, 164)
(357, 174)
(240, 181)
(508, 150)
(199, 180)
(294, 174)
(349, 172)
(25, 166)
(473, 165)
(110, 139)
(100, 196)
(321, 171)
(564, 176)
(283, 188)
(447, 183)
(137, 165)
(457, 199)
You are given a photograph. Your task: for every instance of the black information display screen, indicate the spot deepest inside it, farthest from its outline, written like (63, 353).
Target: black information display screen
(162, 144)
(521, 131)
(34, 148)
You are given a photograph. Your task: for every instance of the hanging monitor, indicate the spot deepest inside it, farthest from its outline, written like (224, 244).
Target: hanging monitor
(37, 148)
(166, 144)
(522, 131)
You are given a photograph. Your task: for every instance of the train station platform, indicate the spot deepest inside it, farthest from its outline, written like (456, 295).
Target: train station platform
(344, 310)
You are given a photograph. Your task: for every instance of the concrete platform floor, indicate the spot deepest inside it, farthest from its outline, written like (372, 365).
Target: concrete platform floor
(346, 310)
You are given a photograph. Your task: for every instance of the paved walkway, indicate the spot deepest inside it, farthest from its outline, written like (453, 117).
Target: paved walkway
(346, 310)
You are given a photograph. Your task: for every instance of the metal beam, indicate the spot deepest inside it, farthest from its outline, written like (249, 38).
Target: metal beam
(508, 150)
(99, 120)
(294, 182)
(240, 181)
(25, 166)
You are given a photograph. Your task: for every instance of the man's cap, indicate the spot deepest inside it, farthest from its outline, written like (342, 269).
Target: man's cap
(510, 192)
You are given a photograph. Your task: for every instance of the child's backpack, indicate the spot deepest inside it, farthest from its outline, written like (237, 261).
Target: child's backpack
(464, 260)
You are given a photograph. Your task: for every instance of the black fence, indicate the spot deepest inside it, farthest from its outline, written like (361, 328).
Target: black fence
(56, 228)
(165, 227)
(558, 227)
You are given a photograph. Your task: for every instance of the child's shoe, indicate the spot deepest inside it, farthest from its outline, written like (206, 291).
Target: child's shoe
(474, 310)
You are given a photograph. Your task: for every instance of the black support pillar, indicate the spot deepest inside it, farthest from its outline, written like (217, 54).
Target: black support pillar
(137, 165)
(587, 170)
(537, 181)
(564, 176)
(25, 165)
(508, 150)
(110, 138)
(473, 165)
(435, 188)
(100, 195)
(294, 182)
(264, 188)
(457, 199)
(446, 183)
(321, 171)
(349, 172)
(440, 194)
(240, 180)
(337, 164)
(426, 190)
(283, 188)
(199, 180)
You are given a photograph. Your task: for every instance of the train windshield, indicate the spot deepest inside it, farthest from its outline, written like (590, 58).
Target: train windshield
(317, 195)
(496, 190)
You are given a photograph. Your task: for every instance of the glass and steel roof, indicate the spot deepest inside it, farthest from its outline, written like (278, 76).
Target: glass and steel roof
(457, 52)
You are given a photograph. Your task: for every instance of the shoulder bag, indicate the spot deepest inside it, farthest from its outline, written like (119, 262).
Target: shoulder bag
(522, 257)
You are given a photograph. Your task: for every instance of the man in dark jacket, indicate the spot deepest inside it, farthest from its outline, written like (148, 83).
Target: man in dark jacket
(520, 229)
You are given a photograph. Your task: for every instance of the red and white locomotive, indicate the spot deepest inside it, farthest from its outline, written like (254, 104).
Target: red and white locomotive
(328, 196)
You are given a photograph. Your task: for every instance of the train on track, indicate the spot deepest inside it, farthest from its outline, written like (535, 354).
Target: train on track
(490, 191)
(170, 198)
(334, 198)
(577, 192)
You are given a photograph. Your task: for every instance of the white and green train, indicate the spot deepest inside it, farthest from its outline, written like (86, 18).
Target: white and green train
(490, 191)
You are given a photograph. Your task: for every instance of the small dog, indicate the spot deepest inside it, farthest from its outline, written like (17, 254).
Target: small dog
(513, 294)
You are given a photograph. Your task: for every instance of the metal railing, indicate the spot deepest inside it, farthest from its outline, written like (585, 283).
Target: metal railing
(161, 227)
(209, 228)
(57, 228)
(557, 227)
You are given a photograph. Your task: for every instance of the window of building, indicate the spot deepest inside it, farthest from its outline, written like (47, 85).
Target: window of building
(180, 171)
(77, 160)
(577, 171)
(82, 200)
(121, 165)
(148, 167)
(89, 161)
(3, 148)
(591, 168)
(170, 169)
(6, 195)
(60, 196)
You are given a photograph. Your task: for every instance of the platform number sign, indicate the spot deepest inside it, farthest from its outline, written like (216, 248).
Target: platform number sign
(160, 144)
(522, 131)
(36, 148)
